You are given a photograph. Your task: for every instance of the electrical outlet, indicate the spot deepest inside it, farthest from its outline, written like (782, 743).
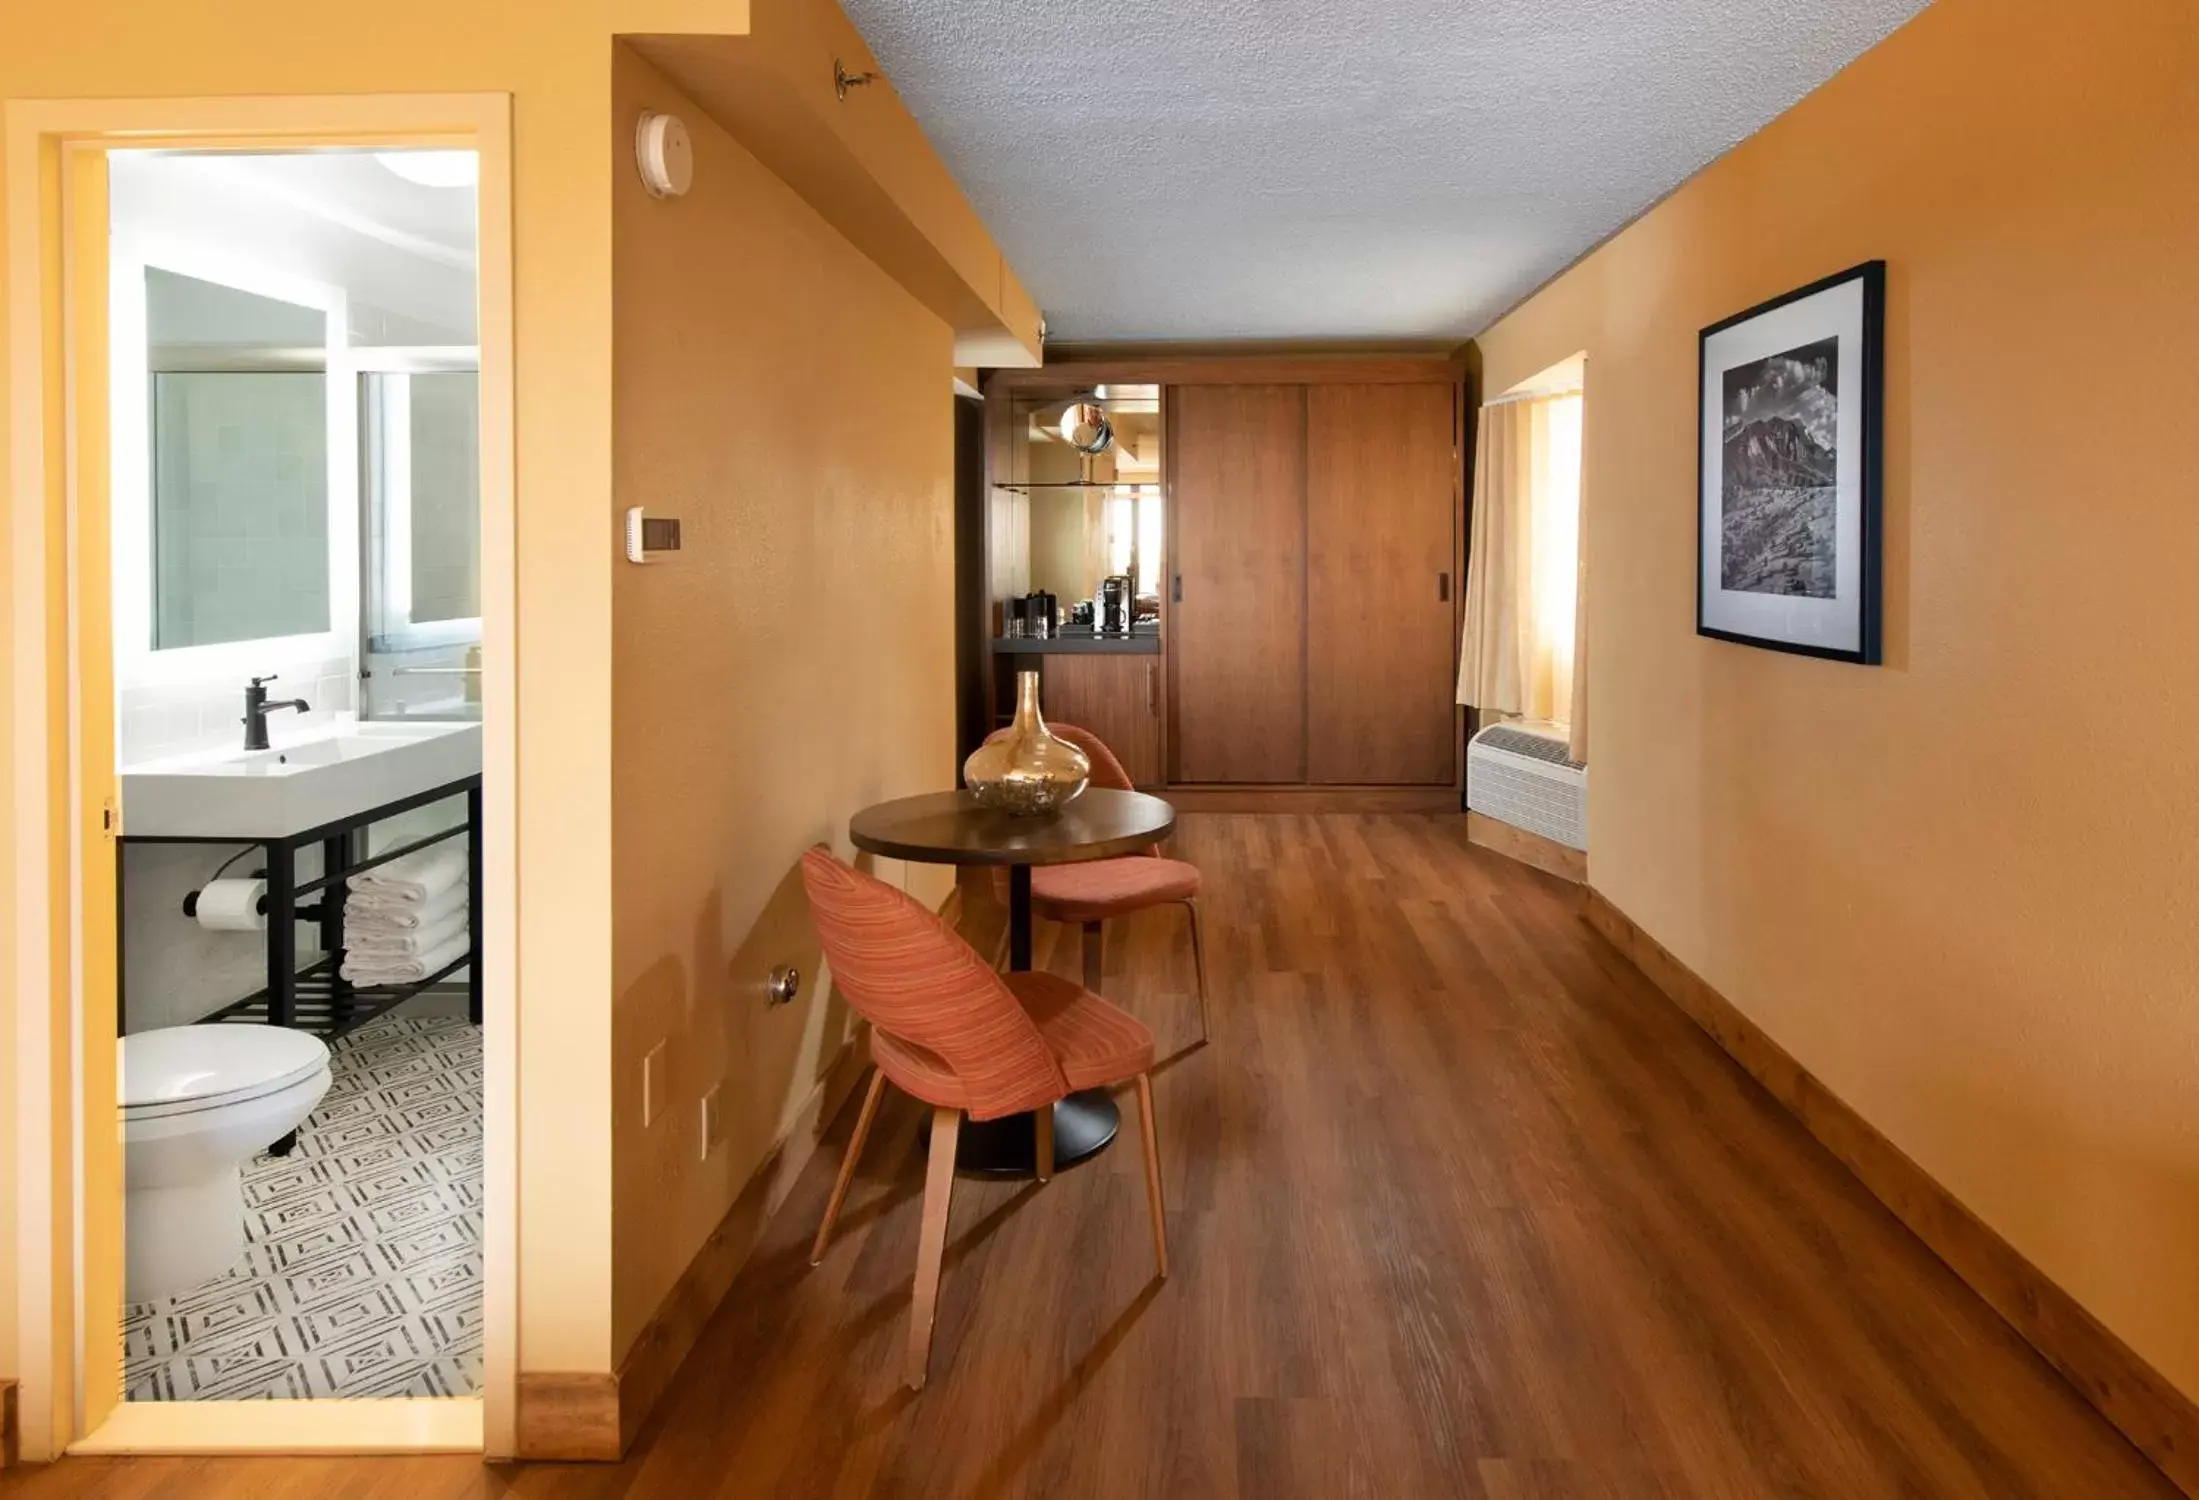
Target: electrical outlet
(652, 1085)
(710, 1121)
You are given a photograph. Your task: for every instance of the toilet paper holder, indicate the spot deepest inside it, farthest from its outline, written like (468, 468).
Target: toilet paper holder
(309, 912)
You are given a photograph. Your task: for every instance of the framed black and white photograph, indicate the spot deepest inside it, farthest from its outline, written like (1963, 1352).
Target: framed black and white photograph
(1787, 504)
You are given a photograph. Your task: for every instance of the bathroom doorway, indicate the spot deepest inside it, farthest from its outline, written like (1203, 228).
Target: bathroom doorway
(289, 1019)
(294, 498)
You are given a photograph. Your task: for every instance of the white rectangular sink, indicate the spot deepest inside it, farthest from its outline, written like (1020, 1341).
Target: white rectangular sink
(301, 783)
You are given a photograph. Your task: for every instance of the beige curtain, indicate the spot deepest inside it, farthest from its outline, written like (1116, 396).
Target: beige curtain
(1520, 655)
(1579, 719)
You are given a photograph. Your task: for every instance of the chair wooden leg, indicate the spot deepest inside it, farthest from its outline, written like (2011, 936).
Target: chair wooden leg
(847, 1165)
(1198, 960)
(1042, 1122)
(1153, 1172)
(1095, 955)
(931, 1243)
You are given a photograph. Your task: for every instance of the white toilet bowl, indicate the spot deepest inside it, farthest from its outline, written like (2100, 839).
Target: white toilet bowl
(197, 1103)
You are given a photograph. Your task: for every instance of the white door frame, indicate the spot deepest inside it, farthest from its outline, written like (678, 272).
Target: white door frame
(39, 136)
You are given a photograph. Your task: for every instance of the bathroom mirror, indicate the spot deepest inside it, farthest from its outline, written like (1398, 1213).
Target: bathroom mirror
(239, 450)
(420, 543)
(423, 489)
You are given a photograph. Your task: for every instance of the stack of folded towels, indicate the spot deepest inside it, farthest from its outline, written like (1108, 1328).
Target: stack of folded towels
(406, 919)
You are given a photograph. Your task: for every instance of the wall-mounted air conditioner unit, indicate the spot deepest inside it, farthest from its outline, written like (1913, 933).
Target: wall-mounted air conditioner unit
(1522, 774)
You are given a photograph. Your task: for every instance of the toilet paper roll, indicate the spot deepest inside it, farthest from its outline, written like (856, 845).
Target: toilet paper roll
(232, 906)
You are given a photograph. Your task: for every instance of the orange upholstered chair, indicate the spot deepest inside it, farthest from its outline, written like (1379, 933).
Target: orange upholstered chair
(1088, 894)
(947, 1029)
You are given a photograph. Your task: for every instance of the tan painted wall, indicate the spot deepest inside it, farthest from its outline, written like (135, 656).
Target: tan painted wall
(861, 161)
(11, 1364)
(1919, 877)
(791, 664)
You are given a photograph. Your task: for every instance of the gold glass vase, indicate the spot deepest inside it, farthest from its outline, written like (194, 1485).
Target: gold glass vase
(1026, 770)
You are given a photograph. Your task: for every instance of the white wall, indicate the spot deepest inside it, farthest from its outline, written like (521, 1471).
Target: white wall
(174, 971)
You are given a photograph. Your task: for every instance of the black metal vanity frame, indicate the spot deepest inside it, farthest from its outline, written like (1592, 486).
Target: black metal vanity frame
(319, 999)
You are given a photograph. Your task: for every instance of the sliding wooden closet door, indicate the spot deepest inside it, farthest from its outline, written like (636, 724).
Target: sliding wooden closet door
(1237, 629)
(1381, 504)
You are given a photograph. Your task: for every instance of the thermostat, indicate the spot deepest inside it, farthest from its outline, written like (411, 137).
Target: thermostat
(647, 534)
(662, 152)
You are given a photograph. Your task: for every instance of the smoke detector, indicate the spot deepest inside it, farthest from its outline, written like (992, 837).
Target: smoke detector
(664, 155)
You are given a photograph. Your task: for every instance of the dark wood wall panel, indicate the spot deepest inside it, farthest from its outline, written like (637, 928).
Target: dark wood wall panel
(1237, 654)
(1381, 508)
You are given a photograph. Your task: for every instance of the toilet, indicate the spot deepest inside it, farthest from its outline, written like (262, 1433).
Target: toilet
(198, 1102)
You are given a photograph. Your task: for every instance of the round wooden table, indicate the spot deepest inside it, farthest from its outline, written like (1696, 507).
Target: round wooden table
(951, 828)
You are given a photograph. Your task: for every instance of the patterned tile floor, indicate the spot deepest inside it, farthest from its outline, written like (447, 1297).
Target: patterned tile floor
(362, 1269)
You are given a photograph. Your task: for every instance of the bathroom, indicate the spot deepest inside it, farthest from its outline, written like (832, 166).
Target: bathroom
(295, 469)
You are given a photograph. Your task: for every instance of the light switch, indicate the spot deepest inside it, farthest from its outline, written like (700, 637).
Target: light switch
(710, 1121)
(652, 1085)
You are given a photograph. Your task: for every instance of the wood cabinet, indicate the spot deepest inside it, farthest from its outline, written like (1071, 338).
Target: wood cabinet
(1313, 634)
(1381, 517)
(1236, 616)
(1117, 697)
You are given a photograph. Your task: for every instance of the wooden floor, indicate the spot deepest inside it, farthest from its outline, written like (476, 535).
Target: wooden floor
(1458, 1206)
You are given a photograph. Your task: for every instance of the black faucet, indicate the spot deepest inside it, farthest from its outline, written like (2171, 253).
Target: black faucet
(257, 708)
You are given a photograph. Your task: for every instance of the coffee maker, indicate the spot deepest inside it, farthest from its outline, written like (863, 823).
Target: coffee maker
(1117, 604)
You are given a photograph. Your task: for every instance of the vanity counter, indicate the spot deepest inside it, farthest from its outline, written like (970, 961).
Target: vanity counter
(323, 777)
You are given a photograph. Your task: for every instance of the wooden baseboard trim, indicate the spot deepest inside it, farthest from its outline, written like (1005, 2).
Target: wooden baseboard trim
(1547, 855)
(2160, 1421)
(1311, 799)
(568, 1417)
(664, 1343)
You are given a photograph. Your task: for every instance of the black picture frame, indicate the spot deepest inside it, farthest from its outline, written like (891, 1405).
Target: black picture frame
(1869, 464)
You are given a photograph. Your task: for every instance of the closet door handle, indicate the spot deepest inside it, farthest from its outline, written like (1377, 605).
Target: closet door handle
(1175, 593)
(1443, 588)
(1152, 687)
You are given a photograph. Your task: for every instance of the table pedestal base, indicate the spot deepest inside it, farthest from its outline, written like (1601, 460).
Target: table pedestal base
(1008, 1147)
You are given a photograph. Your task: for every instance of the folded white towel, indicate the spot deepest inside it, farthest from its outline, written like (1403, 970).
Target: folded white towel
(365, 911)
(417, 878)
(409, 943)
(393, 968)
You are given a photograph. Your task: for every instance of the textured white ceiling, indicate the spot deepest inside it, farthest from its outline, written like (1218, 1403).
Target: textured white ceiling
(1248, 169)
